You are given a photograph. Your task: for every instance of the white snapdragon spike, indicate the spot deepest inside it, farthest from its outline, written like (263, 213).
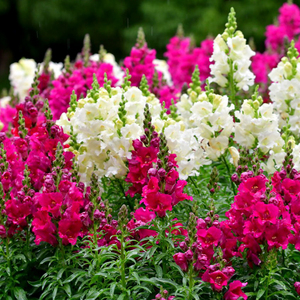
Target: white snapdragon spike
(231, 57)
(285, 90)
(21, 76)
(110, 59)
(257, 126)
(105, 138)
(162, 66)
(209, 116)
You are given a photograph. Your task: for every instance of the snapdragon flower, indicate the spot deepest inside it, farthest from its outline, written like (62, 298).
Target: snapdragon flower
(105, 123)
(285, 90)
(21, 76)
(231, 57)
(209, 116)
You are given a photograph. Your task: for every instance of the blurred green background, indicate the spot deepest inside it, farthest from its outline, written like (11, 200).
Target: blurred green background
(30, 27)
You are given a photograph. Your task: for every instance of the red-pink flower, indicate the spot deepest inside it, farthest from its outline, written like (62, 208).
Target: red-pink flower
(181, 261)
(211, 236)
(69, 229)
(217, 279)
(266, 213)
(235, 291)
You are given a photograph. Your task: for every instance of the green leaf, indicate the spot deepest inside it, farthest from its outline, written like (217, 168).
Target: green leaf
(67, 289)
(54, 293)
(159, 271)
(19, 293)
(260, 293)
(136, 276)
(122, 296)
(112, 289)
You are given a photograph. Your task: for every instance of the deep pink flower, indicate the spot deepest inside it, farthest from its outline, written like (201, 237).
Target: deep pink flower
(297, 287)
(51, 202)
(266, 213)
(181, 261)
(144, 215)
(217, 279)
(69, 229)
(211, 236)
(235, 291)
(43, 228)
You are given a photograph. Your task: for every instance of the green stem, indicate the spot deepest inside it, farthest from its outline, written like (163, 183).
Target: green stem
(123, 263)
(62, 251)
(233, 99)
(27, 240)
(229, 174)
(267, 287)
(191, 281)
(194, 184)
(95, 239)
(123, 192)
(7, 251)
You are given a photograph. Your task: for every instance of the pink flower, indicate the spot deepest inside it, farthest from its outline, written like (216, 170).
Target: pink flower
(217, 279)
(297, 287)
(181, 261)
(144, 215)
(266, 213)
(69, 229)
(43, 228)
(235, 291)
(209, 237)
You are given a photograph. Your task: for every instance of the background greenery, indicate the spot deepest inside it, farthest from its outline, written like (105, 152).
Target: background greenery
(30, 27)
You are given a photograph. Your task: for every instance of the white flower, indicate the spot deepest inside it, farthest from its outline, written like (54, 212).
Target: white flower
(4, 101)
(21, 76)
(162, 66)
(235, 156)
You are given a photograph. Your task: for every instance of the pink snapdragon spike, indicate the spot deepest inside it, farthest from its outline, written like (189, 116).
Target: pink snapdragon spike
(36, 180)
(183, 57)
(258, 219)
(235, 291)
(163, 295)
(141, 62)
(152, 172)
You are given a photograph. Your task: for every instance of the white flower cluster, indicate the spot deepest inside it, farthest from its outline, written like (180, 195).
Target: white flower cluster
(189, 150)
(258, 127)
(232, 54)
(285, 93)
(209, 116)
(21, 76)
(105, 139)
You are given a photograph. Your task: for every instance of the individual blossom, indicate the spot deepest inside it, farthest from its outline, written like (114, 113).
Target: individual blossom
(235, 291)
